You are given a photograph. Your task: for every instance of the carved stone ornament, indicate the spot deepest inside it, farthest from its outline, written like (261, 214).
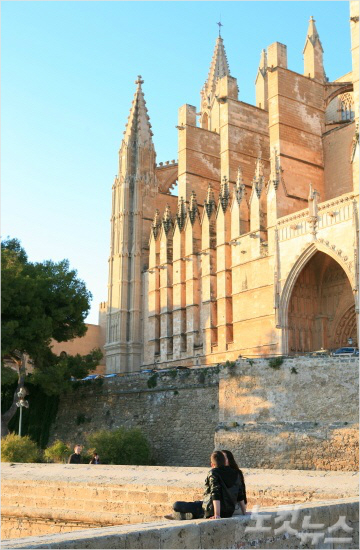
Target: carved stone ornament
(210, 201)
(181, 214)
(167, 219)
(193, 208)
(156, 224)
(224, 194)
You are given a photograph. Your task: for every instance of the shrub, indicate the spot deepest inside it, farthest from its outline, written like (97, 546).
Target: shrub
(19, 449)
(152, 382)
(58, 452)
(276, 362)
(121, 446)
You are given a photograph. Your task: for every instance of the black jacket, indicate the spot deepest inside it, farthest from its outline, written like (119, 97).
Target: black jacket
(223, 484)
(75, 459)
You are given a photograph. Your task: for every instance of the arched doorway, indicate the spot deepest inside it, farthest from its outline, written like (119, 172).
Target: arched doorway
(321, 312)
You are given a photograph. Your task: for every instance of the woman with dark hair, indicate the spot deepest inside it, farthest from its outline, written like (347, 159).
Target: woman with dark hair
(230, 461)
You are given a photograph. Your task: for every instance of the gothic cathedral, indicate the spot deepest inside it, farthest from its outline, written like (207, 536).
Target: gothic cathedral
(257, 255)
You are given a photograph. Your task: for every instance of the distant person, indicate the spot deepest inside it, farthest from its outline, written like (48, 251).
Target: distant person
(95, 459)
(75, 458)
(230, 461)
(222, 486)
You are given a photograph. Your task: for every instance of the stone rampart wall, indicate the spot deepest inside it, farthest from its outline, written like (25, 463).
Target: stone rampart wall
(224, 533)
(177, 410)
(301, 415)
(39, 499)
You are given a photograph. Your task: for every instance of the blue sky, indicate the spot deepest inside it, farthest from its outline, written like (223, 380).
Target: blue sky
(68, 72)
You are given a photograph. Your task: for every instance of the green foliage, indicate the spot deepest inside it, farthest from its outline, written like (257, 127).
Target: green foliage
(19, 449)
(121, 446)
(53, 373)
(37, 419)
(40, 301)
(201, 377)
(230, 364)
(176, 392)
(152, 381)
(276, 362)
(173, 373)
(8, 376)
(293, 370)
(9, 381)
(57, 452)
(251, 362)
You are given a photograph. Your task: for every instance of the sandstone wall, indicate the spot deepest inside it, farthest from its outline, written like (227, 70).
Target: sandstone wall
(301, 415)
(178, 415)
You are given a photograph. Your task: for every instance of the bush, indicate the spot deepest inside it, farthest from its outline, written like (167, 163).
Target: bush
(276, 362)
(121, 446)
(19, 449)
(152, 381)
(58, 452)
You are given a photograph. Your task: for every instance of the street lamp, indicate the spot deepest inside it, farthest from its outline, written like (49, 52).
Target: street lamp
(350, 341)
(22, 403)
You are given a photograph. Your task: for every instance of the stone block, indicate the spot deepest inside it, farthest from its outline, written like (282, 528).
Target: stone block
(147, 538)
(186, 535)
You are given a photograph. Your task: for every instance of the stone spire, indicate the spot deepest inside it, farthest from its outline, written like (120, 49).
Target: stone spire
(313, 53)
(193, 207)
(138, 126)
(219, 66)
(224, 194)
(136, 179)
(181, 214)
(210, 201)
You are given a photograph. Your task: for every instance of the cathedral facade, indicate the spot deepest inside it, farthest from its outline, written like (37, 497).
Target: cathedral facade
(257, 255)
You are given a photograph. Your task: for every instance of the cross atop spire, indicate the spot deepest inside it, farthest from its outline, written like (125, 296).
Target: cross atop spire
(139, 81)
(220, 25)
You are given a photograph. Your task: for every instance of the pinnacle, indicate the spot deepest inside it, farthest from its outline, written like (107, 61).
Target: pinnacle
(167, 219)
(193, 207)
(181, 213)
(209, 201)
(156, 224)
(138, 126)
(239, 178)
(312, 34)
(219, 66)
(224, 193)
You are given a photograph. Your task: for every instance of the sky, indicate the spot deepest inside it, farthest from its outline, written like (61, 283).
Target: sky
(68, 73)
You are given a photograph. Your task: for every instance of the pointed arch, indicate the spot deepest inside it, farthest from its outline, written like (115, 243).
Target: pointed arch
(292, 278)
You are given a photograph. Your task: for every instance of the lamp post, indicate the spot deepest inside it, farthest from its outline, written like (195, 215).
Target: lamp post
(21, 403)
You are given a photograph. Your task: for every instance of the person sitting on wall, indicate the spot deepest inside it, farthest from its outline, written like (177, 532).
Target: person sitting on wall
(75, 458)
(241, 499)
(222, 487)
(95, 459)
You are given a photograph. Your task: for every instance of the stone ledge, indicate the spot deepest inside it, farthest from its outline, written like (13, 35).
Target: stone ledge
(225, 533)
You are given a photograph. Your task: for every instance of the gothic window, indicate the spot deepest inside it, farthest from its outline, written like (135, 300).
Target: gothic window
(346, 106)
